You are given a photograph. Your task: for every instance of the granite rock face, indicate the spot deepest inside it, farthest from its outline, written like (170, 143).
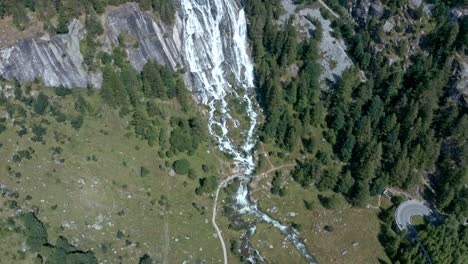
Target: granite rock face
(362, 10)
(152, 39)
(57, 60)
(334, 60)
(460, 91)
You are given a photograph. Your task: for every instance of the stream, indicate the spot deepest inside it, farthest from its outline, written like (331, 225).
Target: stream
(215, 50)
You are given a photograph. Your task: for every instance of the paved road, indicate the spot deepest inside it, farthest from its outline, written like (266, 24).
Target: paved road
(407, 210)
(403, 215)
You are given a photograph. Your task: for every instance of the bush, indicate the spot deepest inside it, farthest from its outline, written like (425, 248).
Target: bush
(22, 154)
(309, 205)
(39, 132)
(93, 26)
(235, 247)
(62, 91)
(144, 171)
(35, 231)
(120, 234)
(181, 166)
(62, 252)
(77, 122)
(63, 19)
(41, 103)
(2, 127)
(296, 226)
(192, 174)
(182, 140)
(205, 168)
(329, 202)
(145, 260)
(207, 185)
(228, 211)
(60, 117)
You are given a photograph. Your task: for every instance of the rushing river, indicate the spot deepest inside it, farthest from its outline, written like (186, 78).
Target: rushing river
(215, 52)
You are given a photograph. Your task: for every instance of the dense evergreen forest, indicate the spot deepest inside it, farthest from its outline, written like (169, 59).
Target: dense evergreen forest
(141, 94)
(445, 243)
(393, 127)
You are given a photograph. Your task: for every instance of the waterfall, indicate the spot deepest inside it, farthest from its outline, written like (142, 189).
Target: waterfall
(215, 52)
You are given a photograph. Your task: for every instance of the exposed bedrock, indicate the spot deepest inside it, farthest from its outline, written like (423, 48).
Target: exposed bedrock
(57, 60)
(154, 39)
(334, 59)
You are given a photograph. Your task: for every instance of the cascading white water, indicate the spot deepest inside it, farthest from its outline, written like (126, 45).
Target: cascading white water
(215, 48)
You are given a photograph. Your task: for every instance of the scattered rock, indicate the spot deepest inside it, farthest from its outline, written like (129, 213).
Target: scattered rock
(416, 3)
(292, 214)
(388, 26)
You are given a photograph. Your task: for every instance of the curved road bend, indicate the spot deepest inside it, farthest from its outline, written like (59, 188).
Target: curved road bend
(407, 210)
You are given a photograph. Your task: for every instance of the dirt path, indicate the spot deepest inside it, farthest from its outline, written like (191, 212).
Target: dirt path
(166, 238)
(265, 154)
(222, 184)
(273, 169)
(265, 174)
(166, 229)
(329, 9)
(373, 206)
(213, 218)
(400, 192)
(258, 178)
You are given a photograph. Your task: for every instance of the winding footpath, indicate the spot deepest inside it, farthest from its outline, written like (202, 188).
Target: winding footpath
(329, 9)
(213, 218)
(221, 185)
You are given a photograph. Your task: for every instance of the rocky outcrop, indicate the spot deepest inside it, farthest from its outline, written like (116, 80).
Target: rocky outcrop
(362, 10)
(333, 51)
(460, 82)
(57, 61)
(153, 40)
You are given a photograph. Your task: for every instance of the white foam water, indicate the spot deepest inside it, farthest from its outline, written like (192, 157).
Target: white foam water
(215, 52)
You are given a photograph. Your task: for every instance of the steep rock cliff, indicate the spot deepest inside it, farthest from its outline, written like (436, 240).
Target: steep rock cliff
(334, 60)
(154, 39)
(57, 61)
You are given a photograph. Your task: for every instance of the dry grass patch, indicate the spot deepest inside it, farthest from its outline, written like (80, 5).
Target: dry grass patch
(352, 235)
